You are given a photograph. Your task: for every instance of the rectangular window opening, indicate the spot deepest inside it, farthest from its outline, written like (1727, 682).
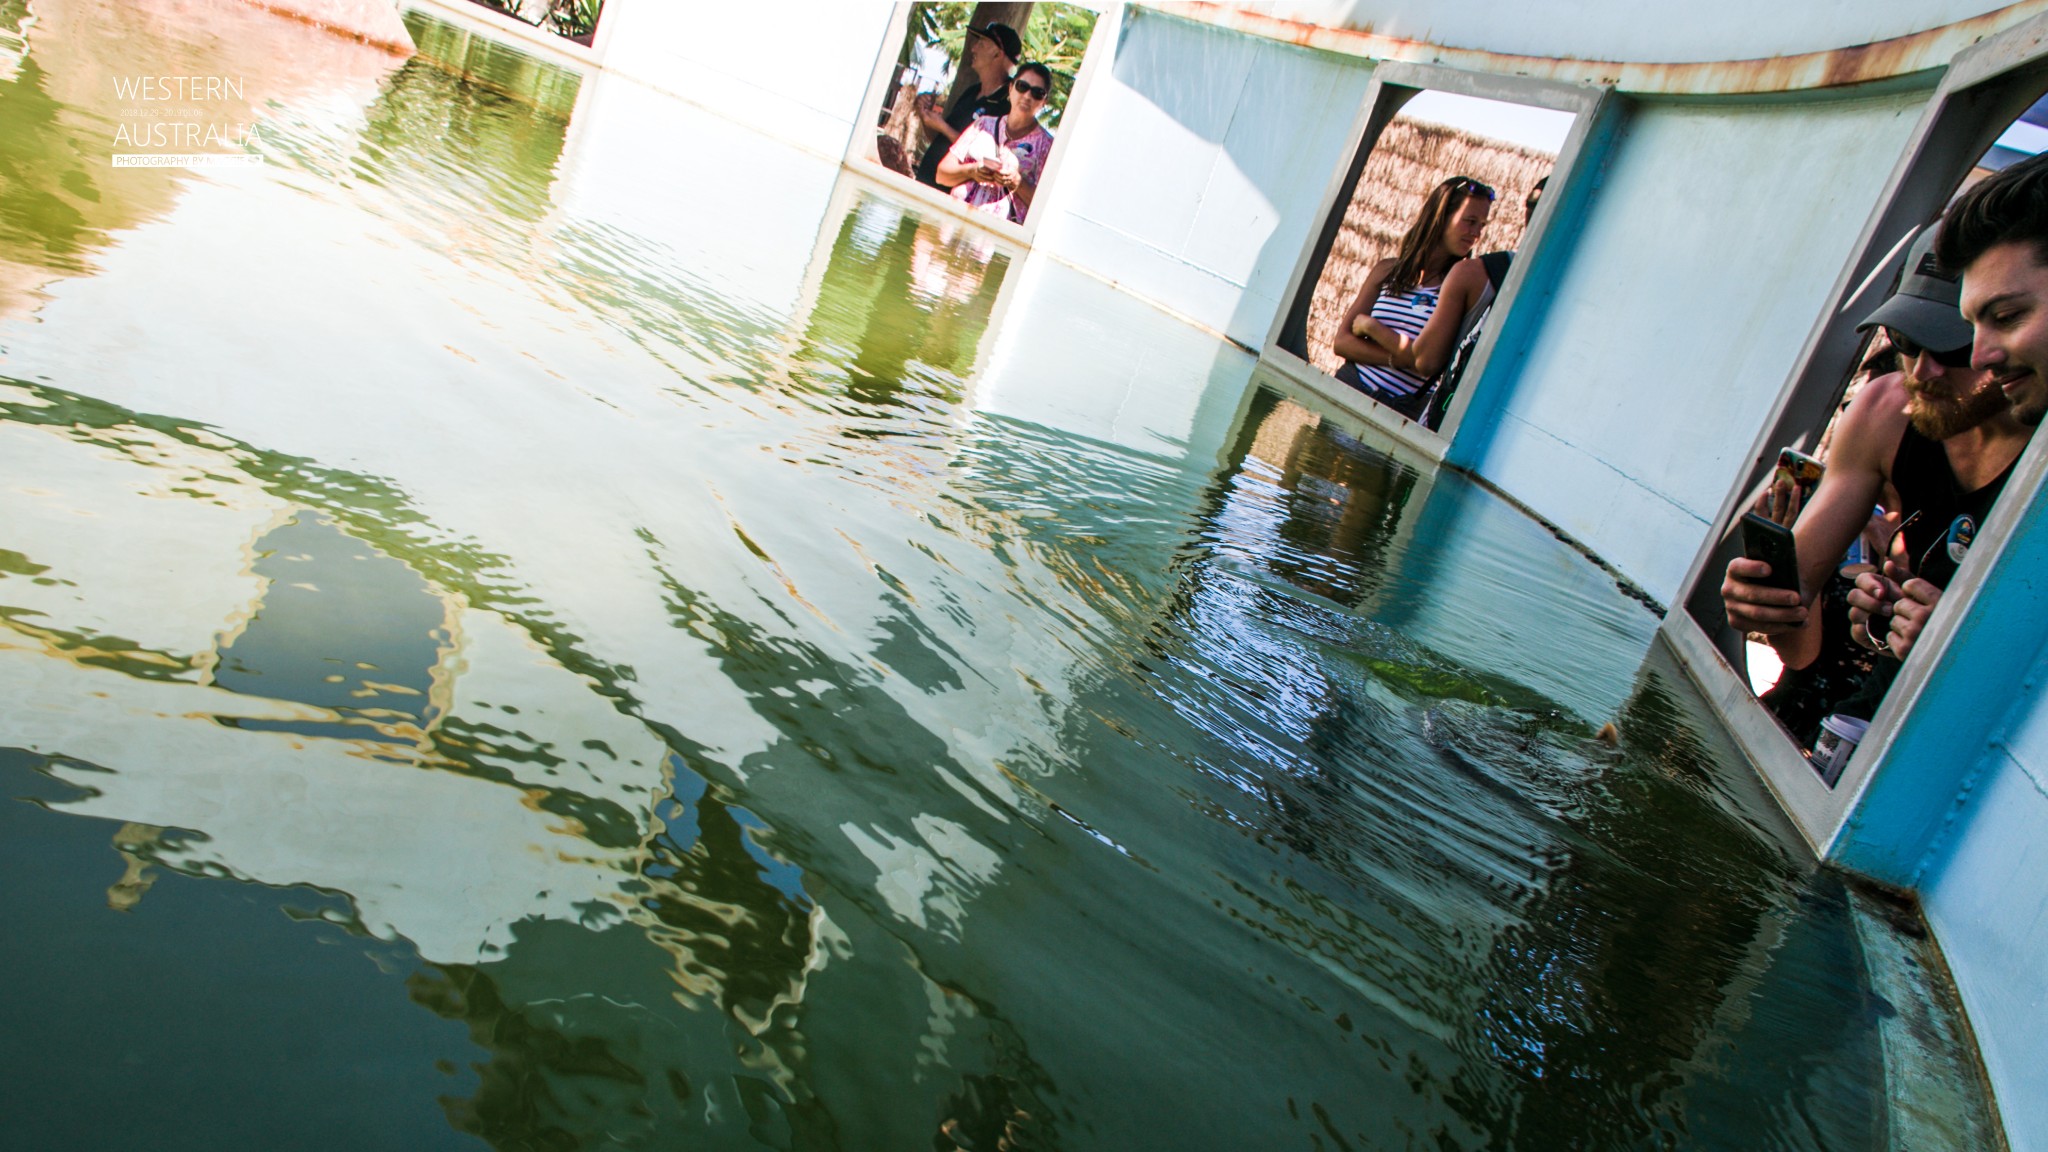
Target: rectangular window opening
(942, 121)
(1427, 233)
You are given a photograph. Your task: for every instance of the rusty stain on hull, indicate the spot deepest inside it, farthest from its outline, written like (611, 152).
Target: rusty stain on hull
(1854, 64)
(398, 44)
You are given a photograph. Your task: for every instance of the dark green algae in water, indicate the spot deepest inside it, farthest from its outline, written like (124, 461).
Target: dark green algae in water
(815, 756)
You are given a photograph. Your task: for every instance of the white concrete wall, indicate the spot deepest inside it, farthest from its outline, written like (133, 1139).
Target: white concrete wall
(800, 74)
(1200, 158)
(1716, 233)
(1617, 29)
(1196, 167)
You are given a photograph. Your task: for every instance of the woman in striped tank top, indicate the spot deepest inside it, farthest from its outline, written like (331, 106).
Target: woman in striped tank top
(1400, 294)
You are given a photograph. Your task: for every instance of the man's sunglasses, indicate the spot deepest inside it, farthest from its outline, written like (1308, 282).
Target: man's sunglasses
(1467, 186)
(1032, 90)
(1908, 350)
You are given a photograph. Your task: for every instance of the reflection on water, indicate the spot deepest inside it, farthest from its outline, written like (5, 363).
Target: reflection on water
(617, 710)
(342, 629)
(900, 291)
(1330, 508)
(61, 115)
(471, 123)
(14, 21)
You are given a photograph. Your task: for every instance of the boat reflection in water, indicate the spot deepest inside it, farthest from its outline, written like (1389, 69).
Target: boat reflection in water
(737, 662)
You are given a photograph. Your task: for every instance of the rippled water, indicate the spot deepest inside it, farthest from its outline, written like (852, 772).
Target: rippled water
(541, 618)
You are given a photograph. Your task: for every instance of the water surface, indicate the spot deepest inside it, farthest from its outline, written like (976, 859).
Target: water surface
(540, 619)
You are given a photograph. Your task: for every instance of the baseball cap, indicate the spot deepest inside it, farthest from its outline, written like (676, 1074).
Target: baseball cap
(1005, 37)
(1926, 306)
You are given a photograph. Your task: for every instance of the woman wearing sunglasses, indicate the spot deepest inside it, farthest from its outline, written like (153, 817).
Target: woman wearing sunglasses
(1401, 292)
(995, 164)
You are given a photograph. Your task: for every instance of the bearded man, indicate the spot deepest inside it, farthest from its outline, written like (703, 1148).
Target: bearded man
(1939, 434)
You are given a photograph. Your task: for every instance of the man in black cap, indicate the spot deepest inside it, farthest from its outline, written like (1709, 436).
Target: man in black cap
(992, 51)
(1942, 435)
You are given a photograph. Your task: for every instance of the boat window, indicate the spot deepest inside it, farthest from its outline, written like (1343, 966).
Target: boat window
(935, 95)
(1415, 261)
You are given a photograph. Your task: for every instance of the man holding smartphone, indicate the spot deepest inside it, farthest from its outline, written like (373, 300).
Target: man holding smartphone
(1939, 432)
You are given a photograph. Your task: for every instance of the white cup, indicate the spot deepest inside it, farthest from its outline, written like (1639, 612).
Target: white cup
(1838, 738)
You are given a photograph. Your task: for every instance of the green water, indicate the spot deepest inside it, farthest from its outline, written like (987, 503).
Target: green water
(540, 619)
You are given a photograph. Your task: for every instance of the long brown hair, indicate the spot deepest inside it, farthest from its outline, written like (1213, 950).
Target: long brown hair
(1419, 241)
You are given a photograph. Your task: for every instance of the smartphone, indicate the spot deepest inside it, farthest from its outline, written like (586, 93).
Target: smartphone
(1800, 470)
(1771, 542)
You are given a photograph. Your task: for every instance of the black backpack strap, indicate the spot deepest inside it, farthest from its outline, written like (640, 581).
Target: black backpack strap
(1496, 265)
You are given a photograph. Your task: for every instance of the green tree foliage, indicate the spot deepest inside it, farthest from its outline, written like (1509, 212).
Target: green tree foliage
(1055, 36)
(575, 19)
(941, 24)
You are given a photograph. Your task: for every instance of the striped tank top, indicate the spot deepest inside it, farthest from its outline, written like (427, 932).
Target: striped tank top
(1406, 313)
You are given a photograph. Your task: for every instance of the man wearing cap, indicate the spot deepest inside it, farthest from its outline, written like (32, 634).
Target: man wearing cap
(992, 51)
(1941, 435)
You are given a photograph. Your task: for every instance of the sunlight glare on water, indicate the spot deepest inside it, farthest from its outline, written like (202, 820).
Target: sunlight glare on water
(540, 618)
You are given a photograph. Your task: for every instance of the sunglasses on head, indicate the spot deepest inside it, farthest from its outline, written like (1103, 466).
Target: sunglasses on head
(1467, 186)
(1909, 349)
(1032, 90)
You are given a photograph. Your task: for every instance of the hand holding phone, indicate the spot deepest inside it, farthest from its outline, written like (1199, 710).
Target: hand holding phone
(1772, 543)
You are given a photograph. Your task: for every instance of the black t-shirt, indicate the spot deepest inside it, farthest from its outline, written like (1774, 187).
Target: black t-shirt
(1949, 517)
(1939, 537)
(963, 112)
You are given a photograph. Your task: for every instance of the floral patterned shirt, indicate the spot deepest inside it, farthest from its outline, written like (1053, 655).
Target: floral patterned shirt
(988, 139)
